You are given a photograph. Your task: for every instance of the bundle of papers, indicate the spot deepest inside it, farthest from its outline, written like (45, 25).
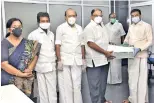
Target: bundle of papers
(121, 52)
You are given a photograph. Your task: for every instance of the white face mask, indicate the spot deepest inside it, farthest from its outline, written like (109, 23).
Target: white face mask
(135, 19)
(71, 20)
(98, 20)
(44, 25)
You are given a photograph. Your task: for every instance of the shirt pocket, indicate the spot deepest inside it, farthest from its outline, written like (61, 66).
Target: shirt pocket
(48, 43)
(52, 39)
(98, 36)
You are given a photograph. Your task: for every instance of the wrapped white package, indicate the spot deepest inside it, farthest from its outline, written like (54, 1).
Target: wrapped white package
(121, 52)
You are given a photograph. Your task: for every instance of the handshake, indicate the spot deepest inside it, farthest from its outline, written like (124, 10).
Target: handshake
(136, 50)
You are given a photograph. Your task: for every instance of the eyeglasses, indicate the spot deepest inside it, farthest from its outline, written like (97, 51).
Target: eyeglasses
(97, 15)
(71, 16)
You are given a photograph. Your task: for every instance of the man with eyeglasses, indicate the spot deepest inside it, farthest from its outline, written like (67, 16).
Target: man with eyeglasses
(96, 44)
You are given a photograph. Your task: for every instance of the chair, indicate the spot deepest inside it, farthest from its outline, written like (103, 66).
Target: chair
(151, 62)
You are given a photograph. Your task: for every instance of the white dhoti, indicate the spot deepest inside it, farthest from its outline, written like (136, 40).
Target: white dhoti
(69, 83)
(115, 72)
(138, 73)
(47, 87)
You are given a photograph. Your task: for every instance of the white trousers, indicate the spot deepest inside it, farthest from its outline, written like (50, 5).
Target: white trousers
(69, 83)
(47, 87)
(115, 72)
(138, 73)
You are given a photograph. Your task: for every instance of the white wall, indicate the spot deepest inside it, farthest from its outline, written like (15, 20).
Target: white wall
(26, 10)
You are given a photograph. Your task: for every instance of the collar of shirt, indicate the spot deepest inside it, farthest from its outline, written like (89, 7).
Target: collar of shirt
(75, 26)
(95, 24)
(41, 31)
(139, 23)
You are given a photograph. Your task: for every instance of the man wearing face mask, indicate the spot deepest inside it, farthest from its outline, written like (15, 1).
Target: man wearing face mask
(70, 54)
(116, 34)
(140, 36)
(96, 44)
(45, 67)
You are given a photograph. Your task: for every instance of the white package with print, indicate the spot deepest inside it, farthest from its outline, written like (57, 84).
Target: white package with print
(121, 52)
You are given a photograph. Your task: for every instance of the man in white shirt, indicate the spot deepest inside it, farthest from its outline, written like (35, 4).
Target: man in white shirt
(96, 44)
(69, 49)
(140, 36)
(45, 67)
(116, 35)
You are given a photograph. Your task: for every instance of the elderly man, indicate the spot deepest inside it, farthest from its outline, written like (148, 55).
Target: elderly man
(96, 44)
(69, 49)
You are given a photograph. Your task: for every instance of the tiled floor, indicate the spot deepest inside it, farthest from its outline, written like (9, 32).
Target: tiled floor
(117, 93)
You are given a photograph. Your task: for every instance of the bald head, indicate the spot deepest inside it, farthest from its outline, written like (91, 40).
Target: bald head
(96, 10)
(69, 12)
(70, 16)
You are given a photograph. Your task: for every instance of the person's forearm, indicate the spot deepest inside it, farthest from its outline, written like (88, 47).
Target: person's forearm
(83, 51)
(10, 69)
(33, 63)
(96, 47)
(126, 38)
(58, 52)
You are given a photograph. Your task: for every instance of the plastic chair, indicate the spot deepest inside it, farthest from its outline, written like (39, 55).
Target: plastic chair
(151, 62)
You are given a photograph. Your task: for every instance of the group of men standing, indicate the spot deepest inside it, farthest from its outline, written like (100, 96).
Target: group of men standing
(86, 50)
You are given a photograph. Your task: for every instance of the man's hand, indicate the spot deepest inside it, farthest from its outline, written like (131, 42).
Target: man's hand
(84, 65)
(136, 50)
(60, 65)
(108, 54)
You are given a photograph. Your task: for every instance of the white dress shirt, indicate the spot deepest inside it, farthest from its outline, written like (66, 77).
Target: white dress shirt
(70, 39)
(140, 35)
(97, 34)
(47, 53)
(115, 32)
